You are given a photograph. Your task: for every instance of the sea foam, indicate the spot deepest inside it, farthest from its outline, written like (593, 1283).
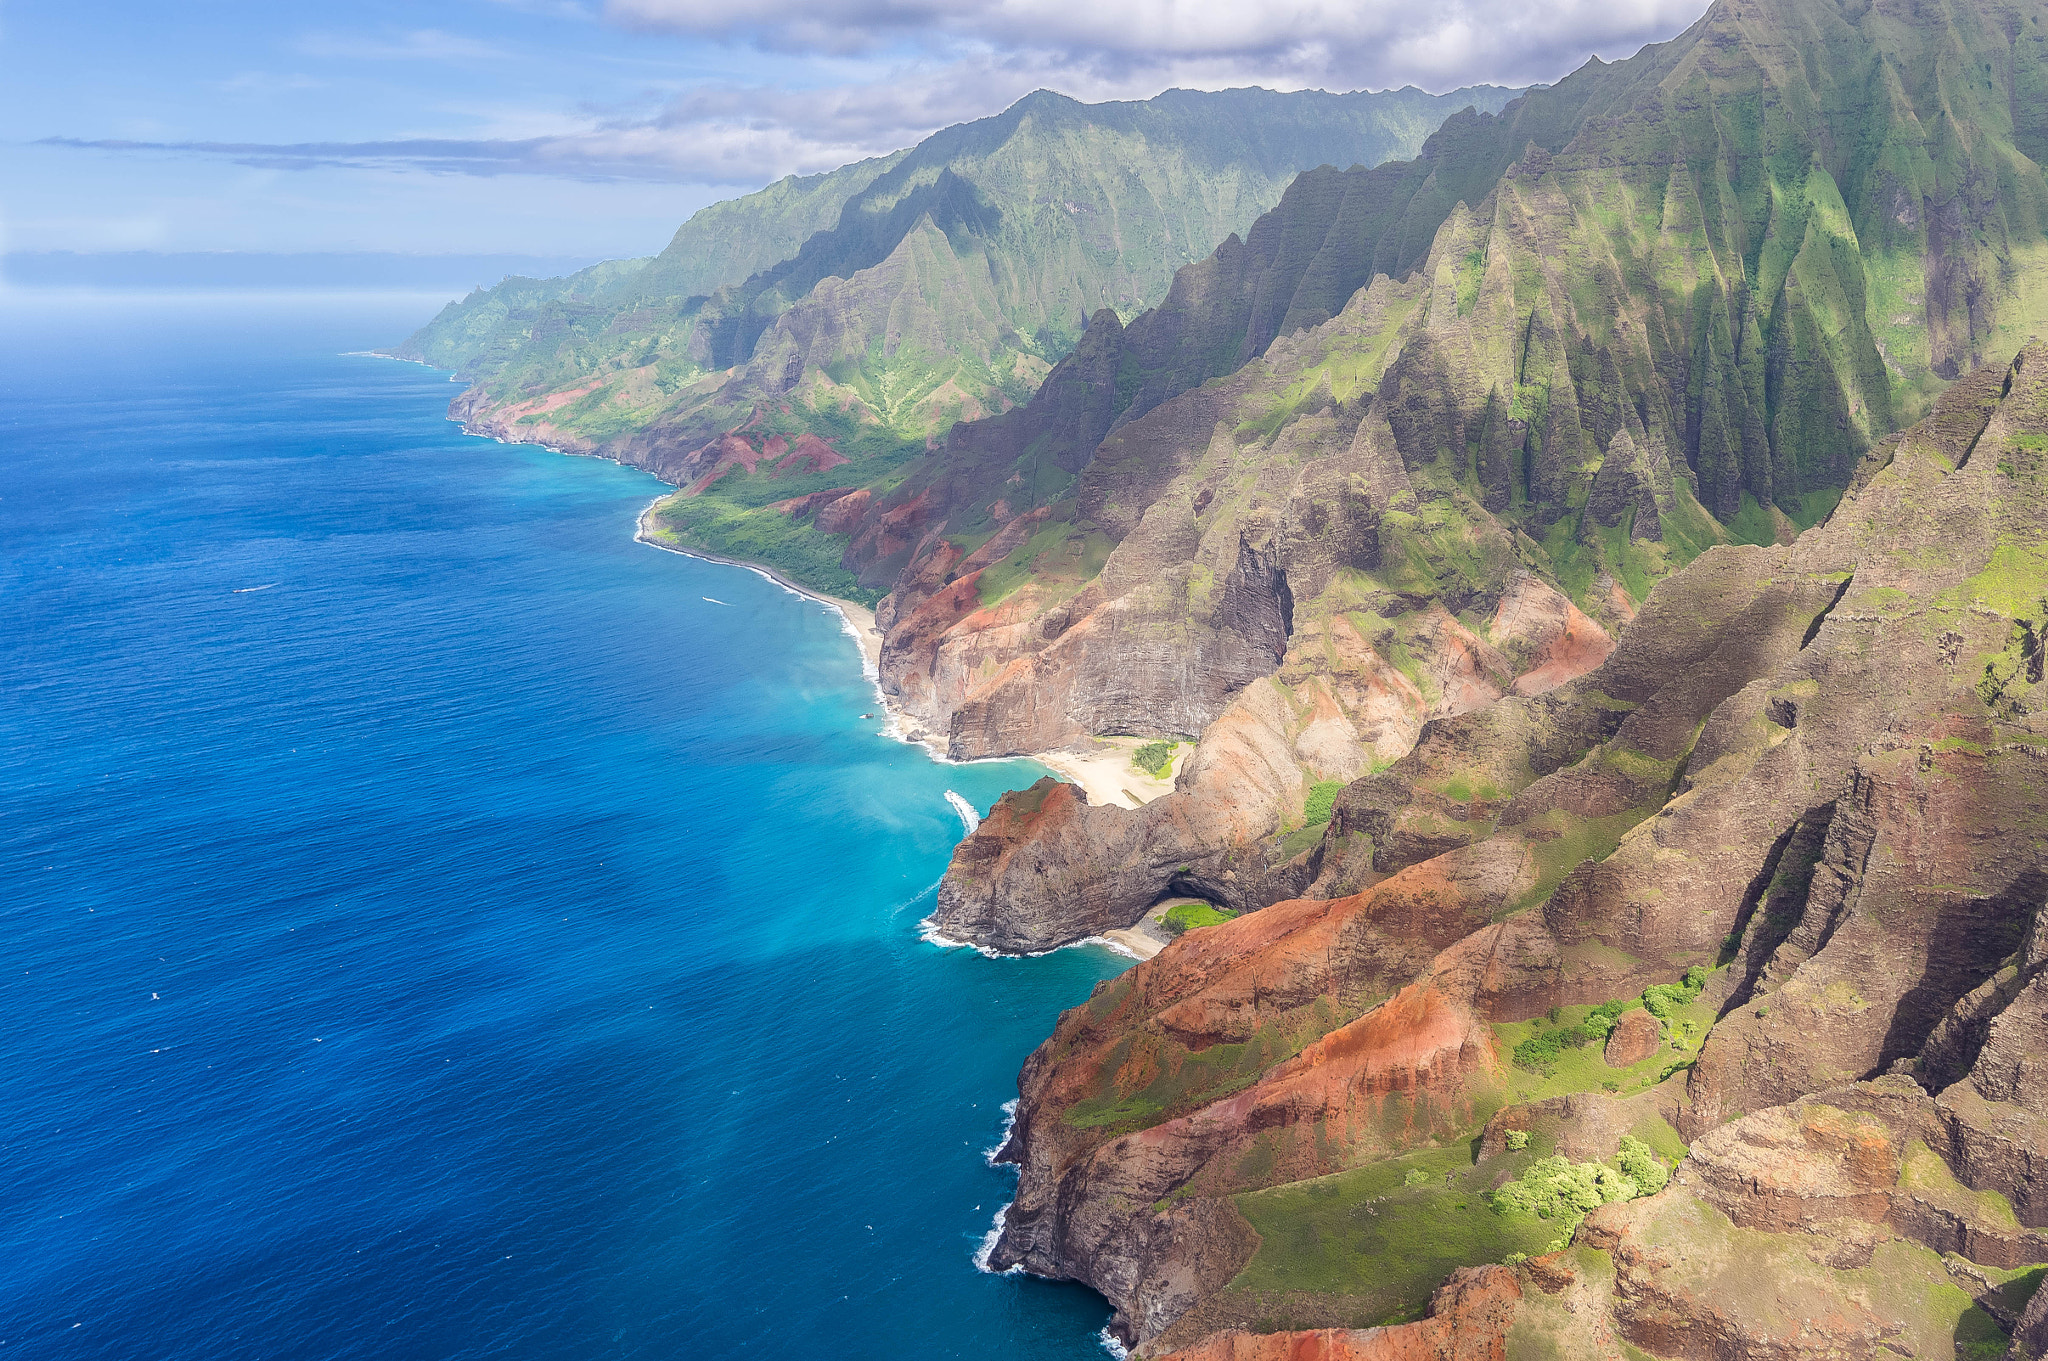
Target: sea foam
(987, 1249)
(1009, 1123)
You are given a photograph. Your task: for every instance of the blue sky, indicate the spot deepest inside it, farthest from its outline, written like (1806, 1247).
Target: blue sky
(574, 128)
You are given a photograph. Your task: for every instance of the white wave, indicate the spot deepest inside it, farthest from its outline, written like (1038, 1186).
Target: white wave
(1009, 1123)
(868, 668)
(1111, 1345)
(929, 933)
(988, 1247)
(965, 810)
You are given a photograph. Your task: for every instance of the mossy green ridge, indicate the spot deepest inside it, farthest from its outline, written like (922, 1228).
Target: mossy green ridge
(1666, 303)
(1065, 207)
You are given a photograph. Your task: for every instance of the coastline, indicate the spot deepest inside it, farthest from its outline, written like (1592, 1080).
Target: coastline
(1105, 774)
(858, 618)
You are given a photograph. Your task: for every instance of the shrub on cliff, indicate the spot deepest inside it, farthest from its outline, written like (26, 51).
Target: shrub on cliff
(1539, 1052)
(1321, 802)
(1558, 1188)
(1665, 998)
(1641, 1166)
(1600, 1024)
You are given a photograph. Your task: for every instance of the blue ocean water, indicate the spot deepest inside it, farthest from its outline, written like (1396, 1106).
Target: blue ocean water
(434, 929)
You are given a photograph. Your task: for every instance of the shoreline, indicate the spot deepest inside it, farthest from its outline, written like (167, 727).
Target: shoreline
(857, 621)
(858, 618)
(1105, 775)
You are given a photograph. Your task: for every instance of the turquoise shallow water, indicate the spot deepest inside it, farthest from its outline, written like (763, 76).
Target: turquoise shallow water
(434, 929)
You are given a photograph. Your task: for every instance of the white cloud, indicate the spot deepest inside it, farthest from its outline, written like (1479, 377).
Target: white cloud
(1353, 43)
(970, 62)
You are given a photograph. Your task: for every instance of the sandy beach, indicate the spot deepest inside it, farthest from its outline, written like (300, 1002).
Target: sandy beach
(1107, 774)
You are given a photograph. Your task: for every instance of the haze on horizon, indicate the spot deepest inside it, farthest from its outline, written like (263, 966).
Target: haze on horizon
(574, 130)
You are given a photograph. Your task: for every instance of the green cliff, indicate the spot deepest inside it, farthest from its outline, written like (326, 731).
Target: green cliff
(939, 284)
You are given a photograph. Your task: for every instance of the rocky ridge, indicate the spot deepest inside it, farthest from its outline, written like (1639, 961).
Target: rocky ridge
(1816, 774)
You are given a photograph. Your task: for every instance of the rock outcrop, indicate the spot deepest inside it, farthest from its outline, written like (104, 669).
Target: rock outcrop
(1634, 1038)
(1468, 1321)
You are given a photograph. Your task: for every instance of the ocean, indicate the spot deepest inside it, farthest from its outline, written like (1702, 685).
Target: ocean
(436, 929)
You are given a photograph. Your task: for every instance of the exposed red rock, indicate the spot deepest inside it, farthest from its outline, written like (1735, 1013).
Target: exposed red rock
(844, 515)
(801, 507)
(1468, 1321)
(812, 455)
(1634, 1038)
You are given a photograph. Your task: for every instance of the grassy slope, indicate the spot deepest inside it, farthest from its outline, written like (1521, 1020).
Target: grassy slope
(1368, 1245)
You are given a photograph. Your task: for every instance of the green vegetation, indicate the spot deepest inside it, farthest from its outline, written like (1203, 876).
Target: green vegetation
(1185, 917)
(1557, 1188)
(1154, 757)
(803, 555)
(1540, 1052)
(1057, 555)
(1600, 1022)
(1562, 1191)
(1665, 1000)
(1571, 840)
(1640, 1164)
(1171, 1079)
(1561, 1053)
(1321, 801)
(1374, 1242)
(1923, 1170)
(1979, 1338)
(1010, 231)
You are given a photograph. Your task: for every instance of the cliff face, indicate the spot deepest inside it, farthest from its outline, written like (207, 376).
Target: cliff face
(1816, 775)
(1682, 319)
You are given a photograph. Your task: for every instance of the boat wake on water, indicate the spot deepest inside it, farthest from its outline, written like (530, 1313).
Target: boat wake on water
(966, 811)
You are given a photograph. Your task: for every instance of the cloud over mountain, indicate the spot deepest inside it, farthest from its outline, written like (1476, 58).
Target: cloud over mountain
(1370, 44)
(869, 76)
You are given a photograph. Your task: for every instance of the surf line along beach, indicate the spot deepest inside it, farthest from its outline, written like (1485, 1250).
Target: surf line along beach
(1106, 775)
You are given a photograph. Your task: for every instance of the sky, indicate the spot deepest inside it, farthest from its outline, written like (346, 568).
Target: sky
(592, 128)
